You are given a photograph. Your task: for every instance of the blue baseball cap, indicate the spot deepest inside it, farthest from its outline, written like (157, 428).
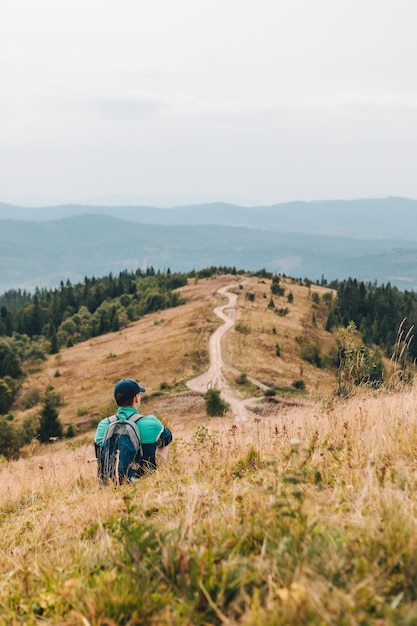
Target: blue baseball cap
(127, 388)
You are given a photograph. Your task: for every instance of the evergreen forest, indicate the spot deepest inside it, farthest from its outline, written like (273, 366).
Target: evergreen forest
(378, 312)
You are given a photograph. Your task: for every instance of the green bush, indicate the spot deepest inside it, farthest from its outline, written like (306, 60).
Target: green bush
(276, 289)
(215, 405)
(10, 361)
(71, 431)
(327, 297)
(299, 384)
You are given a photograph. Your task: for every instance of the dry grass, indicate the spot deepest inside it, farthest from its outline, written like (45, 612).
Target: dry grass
(254, 352)
(350, 529)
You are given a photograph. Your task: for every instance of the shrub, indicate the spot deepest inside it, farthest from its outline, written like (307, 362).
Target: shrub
(10, 441)
(299, 384)
(327, 297)
(242, 379)
(215, 405)
(276, 289)
(30, 398)
(310, 353)
(71, 432)
(241, 328)
(36, 354)
(30, 428)
(10, 362)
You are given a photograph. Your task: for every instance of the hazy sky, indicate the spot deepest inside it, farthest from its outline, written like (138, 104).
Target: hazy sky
(182, 101)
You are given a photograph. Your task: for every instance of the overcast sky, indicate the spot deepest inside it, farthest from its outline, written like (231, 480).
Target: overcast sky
(169, 102)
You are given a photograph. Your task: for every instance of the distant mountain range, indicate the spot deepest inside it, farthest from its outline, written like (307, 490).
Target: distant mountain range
(372, 240)
(369, 218)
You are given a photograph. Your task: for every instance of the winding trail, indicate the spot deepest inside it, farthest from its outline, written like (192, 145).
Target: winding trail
(213, 378)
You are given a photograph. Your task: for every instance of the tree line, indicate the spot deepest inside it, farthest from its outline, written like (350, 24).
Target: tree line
(72, 313)
(378, 312)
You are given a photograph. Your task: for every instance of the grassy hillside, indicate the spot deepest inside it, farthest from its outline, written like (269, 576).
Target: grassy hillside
(163, 350)
(303, 514)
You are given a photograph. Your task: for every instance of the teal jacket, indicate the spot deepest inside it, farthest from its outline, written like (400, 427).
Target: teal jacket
(153, 434)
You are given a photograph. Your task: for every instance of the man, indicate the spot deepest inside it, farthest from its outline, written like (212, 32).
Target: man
(153, 434)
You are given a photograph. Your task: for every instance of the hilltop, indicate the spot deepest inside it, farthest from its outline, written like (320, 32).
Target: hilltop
(165, 349)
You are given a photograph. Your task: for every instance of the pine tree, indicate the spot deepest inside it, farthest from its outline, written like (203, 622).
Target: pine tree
(53, 348)
(49, 425)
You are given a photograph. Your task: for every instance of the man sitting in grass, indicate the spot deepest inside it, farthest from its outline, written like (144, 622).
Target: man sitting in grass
(126, 443)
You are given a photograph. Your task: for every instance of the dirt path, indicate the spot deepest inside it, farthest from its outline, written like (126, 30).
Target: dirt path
(213, 378)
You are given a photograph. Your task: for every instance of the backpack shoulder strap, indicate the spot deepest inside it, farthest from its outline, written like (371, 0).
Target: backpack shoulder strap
(135, 417)
(112, 419)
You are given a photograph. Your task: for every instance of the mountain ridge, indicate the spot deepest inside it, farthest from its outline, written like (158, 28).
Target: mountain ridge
(44, 253)
(391, 217)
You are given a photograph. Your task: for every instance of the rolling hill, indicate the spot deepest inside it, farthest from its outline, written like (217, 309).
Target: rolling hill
(42, 253)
